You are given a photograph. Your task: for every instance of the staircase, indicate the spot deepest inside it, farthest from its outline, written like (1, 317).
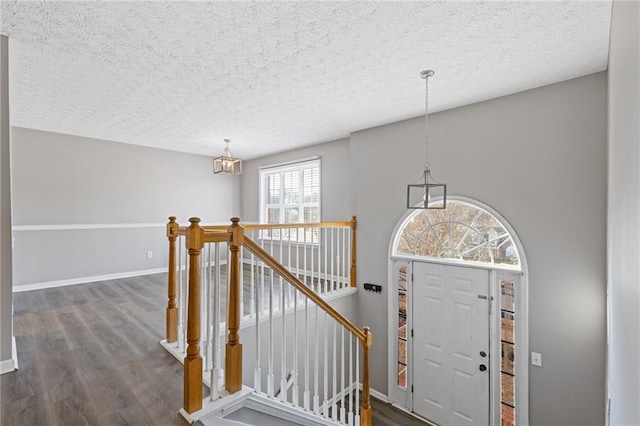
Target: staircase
(302, 362)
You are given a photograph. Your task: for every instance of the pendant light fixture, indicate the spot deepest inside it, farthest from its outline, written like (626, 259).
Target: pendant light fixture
(226, 164)
(427, 193)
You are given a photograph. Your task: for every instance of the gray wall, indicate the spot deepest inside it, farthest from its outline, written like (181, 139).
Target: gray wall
(538, 158)
(69, 180)
(334, 175)
(6, 306)
(624, 213)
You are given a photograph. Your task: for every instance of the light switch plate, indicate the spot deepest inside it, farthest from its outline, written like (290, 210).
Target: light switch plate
(536, 359)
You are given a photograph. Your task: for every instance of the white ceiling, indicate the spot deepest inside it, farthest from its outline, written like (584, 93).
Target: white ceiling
(275, 75)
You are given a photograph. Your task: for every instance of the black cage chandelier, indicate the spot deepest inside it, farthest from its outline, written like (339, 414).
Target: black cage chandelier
(426, 193)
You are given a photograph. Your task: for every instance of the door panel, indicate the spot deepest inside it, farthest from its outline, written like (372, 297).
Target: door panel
(451, 328)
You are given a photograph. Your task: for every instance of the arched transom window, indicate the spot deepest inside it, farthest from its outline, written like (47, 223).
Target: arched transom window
(461, 231)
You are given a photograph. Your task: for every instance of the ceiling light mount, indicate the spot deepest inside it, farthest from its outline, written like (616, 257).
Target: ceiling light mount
(427, 193)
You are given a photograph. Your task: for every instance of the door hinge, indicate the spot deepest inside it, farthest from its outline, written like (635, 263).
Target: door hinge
(412, 332)
(412, 277)
(411, 388)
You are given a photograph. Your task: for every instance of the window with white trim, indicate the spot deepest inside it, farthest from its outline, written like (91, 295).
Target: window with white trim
(291, 194)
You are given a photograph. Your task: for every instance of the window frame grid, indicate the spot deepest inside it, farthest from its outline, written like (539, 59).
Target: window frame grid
(301, 205)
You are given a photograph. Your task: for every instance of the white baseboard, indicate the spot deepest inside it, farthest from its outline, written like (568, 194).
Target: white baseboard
(9, 365)
(378, 395)
(84, 280)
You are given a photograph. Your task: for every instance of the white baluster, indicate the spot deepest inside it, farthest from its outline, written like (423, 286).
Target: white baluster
(270, 378)
(319, 248)
(333, 258)
(325, 403)
(327, 289)
(345, 250)
(180, 298)
(290, 288)
(348, 248)
(257, 374)
(334, 395)
(203, 306)
(209, 320)
(304, 253)
(217, 343)
(283, 365)
(306, 395)
(343, 375)
(313, 269)
(295, 349)
(357, 390)
(350, 419)
(316, 363)
(280, 259)
(252, 260)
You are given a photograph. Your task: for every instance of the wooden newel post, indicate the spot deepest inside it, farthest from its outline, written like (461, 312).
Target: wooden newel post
(354, 224)
(365, 408)
(233, 350)
(172, 283)
(193, 360)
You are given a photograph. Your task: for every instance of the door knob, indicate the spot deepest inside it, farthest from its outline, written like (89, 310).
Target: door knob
(483, 354)
(483, 367)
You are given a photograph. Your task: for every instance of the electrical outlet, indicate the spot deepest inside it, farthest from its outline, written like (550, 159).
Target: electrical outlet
(536, 359)
(149, 254)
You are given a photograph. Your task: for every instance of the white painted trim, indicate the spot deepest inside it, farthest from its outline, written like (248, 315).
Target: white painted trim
(289, 163)
(76, 226)
(10, 365)
(85, 280)
(377, 394)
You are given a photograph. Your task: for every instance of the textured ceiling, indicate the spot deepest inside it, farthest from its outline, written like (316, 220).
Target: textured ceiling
(275, 75)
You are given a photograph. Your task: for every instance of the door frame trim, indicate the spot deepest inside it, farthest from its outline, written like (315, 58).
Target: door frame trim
(522, 324)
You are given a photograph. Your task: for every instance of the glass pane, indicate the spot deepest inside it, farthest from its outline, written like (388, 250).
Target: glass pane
(273, 215)
(402, 375)
(507, 334)
(402, 326)
(402, 278)
(273, 189)
(507, 301)
(311, 185)
(402, 351)
(508, 383)
(508, 415)
(311, 215)
(402, 302)
(291, 215)
(508, 358)
(291, 187)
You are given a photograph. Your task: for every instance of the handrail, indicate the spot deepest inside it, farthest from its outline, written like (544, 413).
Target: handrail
(289, 277)
(260, 226)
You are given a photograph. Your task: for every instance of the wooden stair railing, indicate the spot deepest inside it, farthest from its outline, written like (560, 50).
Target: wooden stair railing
(196, 237)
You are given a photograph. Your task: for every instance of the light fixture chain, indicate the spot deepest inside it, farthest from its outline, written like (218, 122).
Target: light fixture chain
(427, 165)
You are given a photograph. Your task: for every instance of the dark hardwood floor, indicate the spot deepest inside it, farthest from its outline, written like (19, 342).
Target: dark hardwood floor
(89, 355)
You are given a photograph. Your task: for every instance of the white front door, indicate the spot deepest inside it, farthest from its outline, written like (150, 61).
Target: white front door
(451, 344)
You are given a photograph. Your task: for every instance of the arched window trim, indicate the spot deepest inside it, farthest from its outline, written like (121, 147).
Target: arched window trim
(481, 207)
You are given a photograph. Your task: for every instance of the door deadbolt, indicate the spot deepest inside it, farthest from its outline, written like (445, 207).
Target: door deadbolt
(483, 367)
(483, 354)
